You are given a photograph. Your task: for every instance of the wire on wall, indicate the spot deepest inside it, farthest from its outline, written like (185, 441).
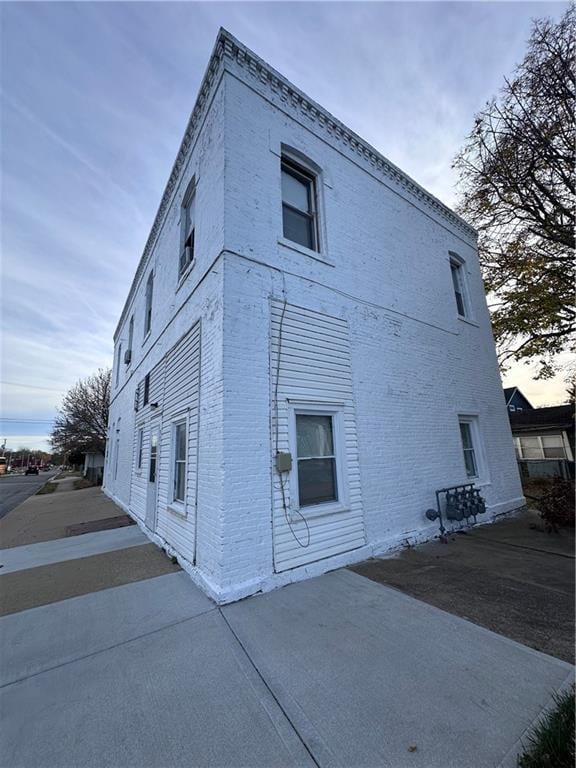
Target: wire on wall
(277, 438)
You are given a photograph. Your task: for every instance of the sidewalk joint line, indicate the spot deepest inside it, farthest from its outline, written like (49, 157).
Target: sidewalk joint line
(269, 689)
(105, 650)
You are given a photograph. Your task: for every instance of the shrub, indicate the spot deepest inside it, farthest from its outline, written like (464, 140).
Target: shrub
(551, 743)
(556, 505)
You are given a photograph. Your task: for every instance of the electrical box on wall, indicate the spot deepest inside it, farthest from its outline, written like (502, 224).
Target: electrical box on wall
(283, 462)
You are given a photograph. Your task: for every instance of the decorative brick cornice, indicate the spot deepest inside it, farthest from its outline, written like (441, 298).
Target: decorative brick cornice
(297, 102)
(227, 47)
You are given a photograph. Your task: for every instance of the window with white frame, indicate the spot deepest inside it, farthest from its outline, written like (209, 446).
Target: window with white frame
(458, 283)
(316, 459)
(187, 229)
(146, 395)
(299, 205)
(470, 437)
(118, 364)
(540, 447)
(148, 306)
(139, 447)
(128, 355)
(179, 440)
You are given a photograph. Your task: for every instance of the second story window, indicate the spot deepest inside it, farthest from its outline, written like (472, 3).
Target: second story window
(457, 270)
(148, 309)
(299, 211)
(128, 353)
(118, 364)
(188, 225)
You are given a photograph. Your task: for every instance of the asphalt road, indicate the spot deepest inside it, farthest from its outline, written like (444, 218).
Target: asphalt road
(14, 489)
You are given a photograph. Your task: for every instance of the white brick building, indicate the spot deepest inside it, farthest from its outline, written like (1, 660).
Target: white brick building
(298, 294)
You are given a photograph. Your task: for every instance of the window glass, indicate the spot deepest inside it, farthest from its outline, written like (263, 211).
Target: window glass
(146, 396)
(296, 191)
(553, 446)
(130, 333)
(118, 364)
(153, 457)
(531, 448)
(298, 227)
(468, 449)
(140, 445)
(188, 225)
(180, 462)
(316, 460)
(456, 270)
(298, 205)
(148, 310)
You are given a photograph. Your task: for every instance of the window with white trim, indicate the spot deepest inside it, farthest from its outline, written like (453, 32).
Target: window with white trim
(179, 446)
(128, 354)
(118, 364)
(471, 446)
(148, 306)
(187, 229)
(139, 448)
(319, 469)
(299, 205)
(458, 283)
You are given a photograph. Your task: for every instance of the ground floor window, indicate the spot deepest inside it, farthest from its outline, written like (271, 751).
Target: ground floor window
(180, 432)
(317, 478)
(139, 448)
(471, 446)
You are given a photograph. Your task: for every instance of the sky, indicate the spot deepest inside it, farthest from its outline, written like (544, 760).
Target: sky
(95, 100)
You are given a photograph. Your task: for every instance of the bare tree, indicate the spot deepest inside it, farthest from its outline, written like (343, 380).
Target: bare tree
(82, 419)
(517, 183)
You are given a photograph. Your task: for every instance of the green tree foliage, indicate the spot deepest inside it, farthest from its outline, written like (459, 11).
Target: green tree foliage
(517, 183)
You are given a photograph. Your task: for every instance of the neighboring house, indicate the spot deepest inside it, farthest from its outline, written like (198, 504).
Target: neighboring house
(94, 466)
(305, 354)
(544, 439)
(515, 400)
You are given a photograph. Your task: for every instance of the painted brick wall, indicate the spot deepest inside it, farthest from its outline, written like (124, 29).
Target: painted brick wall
(384, 270)
(416, 365)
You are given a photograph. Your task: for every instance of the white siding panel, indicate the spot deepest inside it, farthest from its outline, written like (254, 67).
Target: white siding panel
(314, 366)
(180, 399)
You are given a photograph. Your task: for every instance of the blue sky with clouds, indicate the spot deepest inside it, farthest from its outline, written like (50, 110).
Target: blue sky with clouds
(96, 97)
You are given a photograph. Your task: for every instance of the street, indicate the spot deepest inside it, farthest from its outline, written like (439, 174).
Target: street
(14, 489)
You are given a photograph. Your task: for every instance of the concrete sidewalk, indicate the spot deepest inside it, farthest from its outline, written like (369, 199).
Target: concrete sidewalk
(335, 671)
(112, 658)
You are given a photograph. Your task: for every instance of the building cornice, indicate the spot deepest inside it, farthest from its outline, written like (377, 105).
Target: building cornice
(227, 47)
(311, 112)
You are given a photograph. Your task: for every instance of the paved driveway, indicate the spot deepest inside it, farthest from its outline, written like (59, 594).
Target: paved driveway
(511, 577)
(335, 671)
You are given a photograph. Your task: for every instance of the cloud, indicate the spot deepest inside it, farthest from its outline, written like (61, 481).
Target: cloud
(95, 100)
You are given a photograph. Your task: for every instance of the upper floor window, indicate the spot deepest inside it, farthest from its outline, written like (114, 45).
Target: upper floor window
(128, 353)
(458, 282)
(299, 205)
(148, 309)
(187, 227)
(118, 363)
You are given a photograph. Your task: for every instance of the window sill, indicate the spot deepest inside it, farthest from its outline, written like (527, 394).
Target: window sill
(320, 510)
(145, 339)
(316, 255)
(183, 277)
(177, 509)
(469, 321)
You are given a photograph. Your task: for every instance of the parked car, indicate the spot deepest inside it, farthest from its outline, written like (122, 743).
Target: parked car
(32, 471)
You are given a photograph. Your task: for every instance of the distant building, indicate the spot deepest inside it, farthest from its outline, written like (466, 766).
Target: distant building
(515, 400)
(544, 440)
(305, 355)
